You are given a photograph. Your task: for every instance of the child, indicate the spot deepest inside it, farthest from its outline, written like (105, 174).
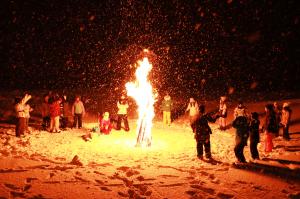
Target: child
(166, 107)
(242, 133)
(122, 113)
(240, 110)
(202, 132)
(270, 127)
(254, 135)
(223, 113)
(193, 110)
(20, 113)
(45, 113)
(78, 111)
(27, 110)
(105, 124)
(285, 120)
(54, 109)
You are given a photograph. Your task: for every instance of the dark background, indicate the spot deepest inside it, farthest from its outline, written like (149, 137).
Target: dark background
(236, 46)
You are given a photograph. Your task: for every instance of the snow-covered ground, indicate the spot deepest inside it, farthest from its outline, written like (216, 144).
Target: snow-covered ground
(42, 165)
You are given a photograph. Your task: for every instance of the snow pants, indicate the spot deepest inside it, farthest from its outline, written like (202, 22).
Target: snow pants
(206, 145)
(286, 134)
(253, 150)
(239, 149)
(122, 117)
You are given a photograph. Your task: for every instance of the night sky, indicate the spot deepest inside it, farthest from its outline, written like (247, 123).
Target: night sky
(234, 45)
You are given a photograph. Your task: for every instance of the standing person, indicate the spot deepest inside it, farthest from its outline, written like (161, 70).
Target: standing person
(285, 120)
(202, 132)
(105, 124)
(166, 107)
(193, 110)
(54, 110)
(270, 127)
(27, 111)
(122, 113)
(240, 110)
(78, 111)
(241, 136)
(45, 113)
(254, 135)
(278, 116)
(20, 113)
(223, 113)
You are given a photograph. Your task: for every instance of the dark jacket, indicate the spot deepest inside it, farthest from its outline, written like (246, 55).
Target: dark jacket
(254, 130)
(242, 128)
(271, 124)
(202, 129)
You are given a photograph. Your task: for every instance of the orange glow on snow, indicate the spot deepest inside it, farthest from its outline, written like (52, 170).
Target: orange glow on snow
(141, 91)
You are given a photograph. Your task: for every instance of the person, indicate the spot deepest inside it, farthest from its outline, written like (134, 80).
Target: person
(54, 110)
(45, 113)
(285, 120)
(122, 105)
(193, 110)
(202, 132)
(223, 113)
(270, 127)
(27, 110)
(20, 114)
(105, 125)
(240, 110)
(254, 135)
(78, 112)
(278, 116)
(166, 107)
(241, 136)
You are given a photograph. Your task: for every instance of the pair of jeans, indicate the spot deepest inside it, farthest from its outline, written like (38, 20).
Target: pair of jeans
(77, 119)
(122, 117)
(20, 126)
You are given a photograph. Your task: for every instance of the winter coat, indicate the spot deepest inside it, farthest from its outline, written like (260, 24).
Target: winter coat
(78, 108)
(201, 127)
(271, 125)
(286, 116)
(54, 109)
(122, 107)
(167, 104)
(27, 110)
(254, 130)
(193, 108)
(242, 129)
(105, 125)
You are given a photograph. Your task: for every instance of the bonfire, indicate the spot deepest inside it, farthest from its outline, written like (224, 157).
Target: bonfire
(141, 90)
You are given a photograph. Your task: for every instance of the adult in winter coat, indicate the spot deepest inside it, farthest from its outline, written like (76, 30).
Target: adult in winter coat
(20, 114)
(54, 110)
(122, 113)
(193, 110)
(285, 120)
(166, 107)
(78, 112)
(202, 132)
(27, 111)
(270, 127)
(223, 113)
(254, 135)
(242, 133)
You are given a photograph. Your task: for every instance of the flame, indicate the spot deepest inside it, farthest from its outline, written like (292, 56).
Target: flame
(141, 91)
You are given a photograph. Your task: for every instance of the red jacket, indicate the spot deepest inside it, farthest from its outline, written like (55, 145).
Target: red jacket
(54, 109)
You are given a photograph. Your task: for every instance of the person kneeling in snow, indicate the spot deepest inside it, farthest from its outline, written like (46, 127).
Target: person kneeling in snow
(203, 131)
(104, 124)
(242, 133)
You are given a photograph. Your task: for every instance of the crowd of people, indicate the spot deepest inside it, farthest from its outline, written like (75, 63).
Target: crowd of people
(54, 112)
